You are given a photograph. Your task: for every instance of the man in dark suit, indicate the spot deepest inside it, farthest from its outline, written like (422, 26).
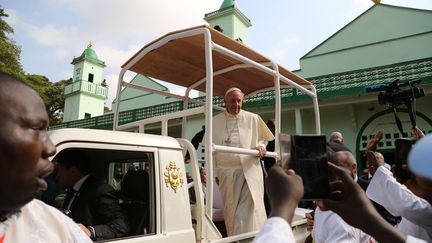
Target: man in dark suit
(268, 162)
(197, 139)
(90, 201)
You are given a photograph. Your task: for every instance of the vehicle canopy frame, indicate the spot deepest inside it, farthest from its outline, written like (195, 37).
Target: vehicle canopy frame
(204, 59)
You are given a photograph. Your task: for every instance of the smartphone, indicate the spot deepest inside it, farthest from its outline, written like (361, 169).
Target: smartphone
(403, 146)
(309, 160)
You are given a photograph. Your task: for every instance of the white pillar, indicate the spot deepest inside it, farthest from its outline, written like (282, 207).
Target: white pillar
(298, 121)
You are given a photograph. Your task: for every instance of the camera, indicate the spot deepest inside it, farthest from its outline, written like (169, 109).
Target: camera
(394, 95)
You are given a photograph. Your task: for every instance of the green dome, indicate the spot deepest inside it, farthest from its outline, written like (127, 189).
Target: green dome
(89, 55)
(227, 4)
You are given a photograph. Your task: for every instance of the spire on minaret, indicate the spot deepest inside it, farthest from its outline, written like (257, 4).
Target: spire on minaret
(89, 45)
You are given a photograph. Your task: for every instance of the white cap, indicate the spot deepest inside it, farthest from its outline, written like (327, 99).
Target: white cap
(420, 157)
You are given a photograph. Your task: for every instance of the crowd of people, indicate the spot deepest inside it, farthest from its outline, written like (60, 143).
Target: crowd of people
(349, 215)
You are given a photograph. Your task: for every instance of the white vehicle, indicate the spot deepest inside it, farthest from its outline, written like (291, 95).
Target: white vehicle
(198, 58)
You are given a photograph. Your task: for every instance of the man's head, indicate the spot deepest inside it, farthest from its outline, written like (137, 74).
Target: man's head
(203, 175)
(336, 137)
(347, 160)
(420, 157)
(420, 163)
(24, 144)
(233, 100)
(71, 166)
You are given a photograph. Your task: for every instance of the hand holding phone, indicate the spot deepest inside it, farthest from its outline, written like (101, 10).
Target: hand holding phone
(310, 219)
(285, 191)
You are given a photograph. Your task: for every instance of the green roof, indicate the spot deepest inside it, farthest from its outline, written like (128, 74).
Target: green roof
(226, 4)
(88, 55)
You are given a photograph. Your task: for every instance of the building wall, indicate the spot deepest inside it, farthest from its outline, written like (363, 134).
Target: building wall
(382, 35)
(78, 105)
(231, 25)
(96, 70)
(78, 71)
(134, 99)
(379, 23)
(72, 108)
(91, 105)
(368, 56)
(225, 22)
(240, 30)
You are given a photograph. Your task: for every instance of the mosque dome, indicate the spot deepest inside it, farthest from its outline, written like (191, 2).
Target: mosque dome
(227, 4)
(89, 55)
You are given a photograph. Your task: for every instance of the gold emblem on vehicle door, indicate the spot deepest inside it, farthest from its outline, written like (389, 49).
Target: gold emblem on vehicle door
(174, 177)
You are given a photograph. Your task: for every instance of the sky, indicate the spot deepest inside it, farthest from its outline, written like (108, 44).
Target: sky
(52, 32)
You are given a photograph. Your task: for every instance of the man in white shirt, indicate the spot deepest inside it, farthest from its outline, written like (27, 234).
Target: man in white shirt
(416, 212)
(364, 216)
(24, 150)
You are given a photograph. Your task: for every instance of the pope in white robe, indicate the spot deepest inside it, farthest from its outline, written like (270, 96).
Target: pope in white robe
(240, 176)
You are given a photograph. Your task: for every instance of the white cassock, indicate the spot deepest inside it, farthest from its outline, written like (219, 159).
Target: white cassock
(329, 227)
(240, 176)
(39, 222)
(416, 212)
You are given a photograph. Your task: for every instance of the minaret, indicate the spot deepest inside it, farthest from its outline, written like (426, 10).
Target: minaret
(230, 20)
(86, 96)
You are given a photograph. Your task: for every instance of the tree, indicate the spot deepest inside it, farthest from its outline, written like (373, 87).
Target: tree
(39, 83)
(9, 51)
(51, 94)
(56, 102)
